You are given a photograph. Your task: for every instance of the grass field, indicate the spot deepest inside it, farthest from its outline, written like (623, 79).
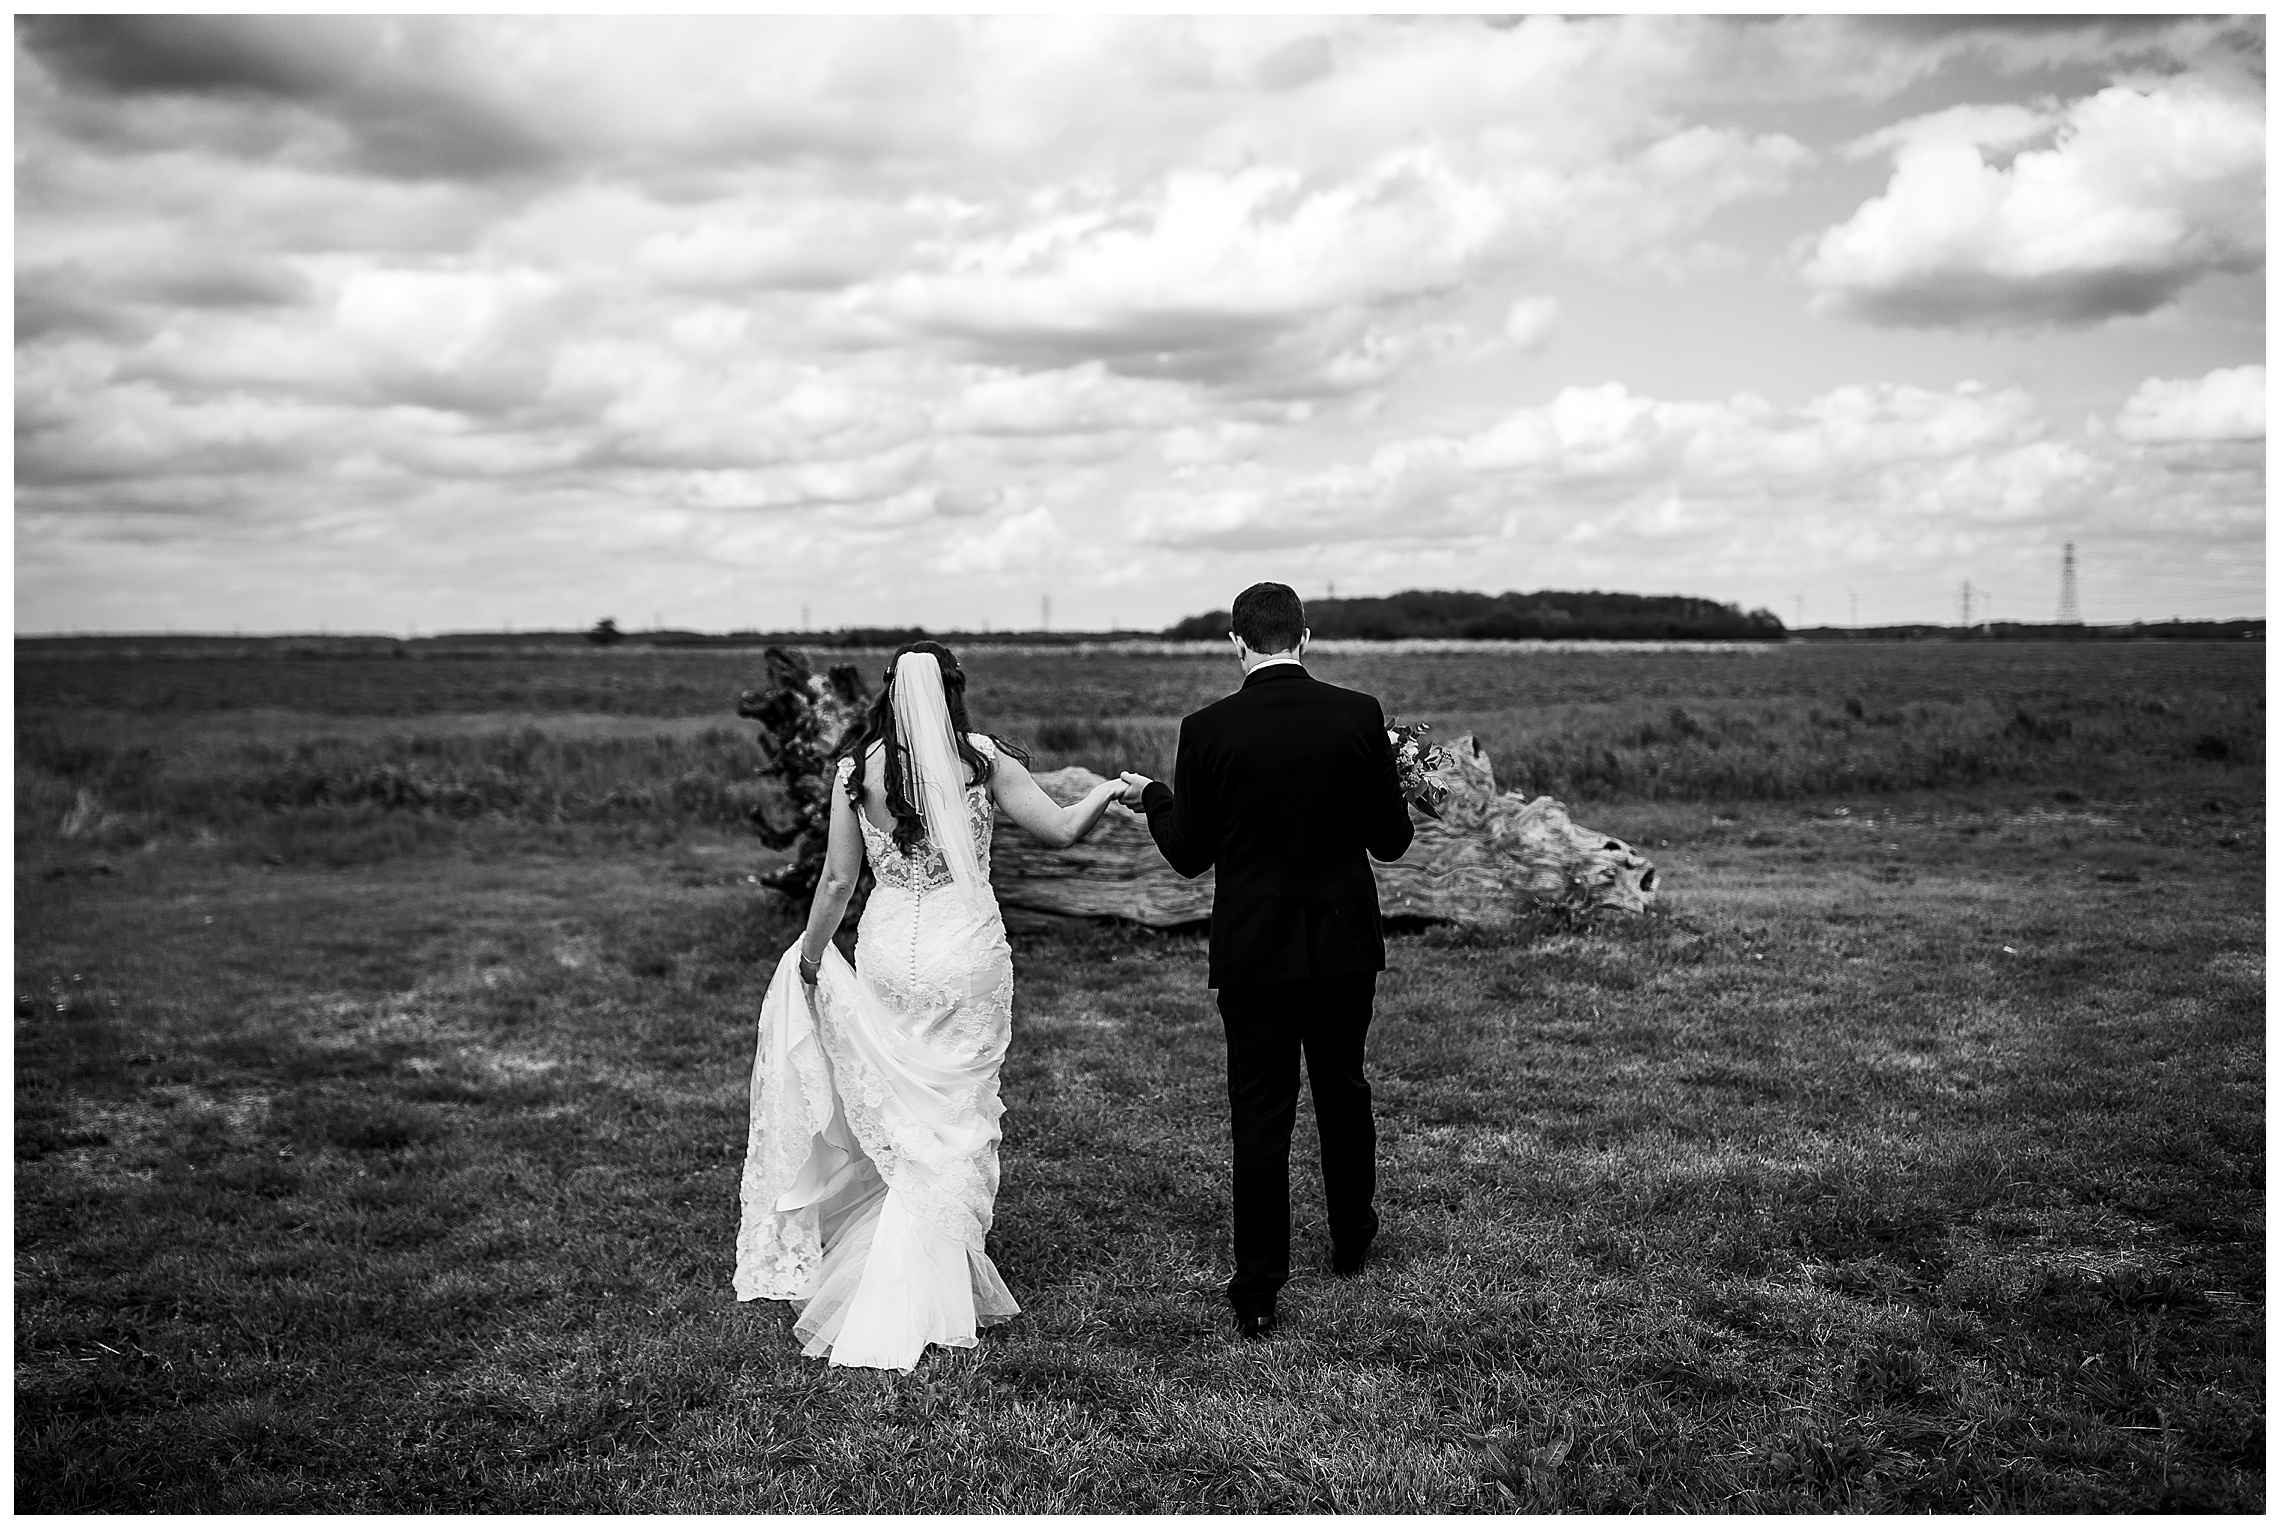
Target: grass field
(381, 1153)
(355, 758)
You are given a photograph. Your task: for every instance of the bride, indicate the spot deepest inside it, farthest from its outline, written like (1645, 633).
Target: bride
(871, 1164)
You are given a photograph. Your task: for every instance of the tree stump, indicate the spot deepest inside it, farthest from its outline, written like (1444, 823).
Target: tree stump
(804, 717)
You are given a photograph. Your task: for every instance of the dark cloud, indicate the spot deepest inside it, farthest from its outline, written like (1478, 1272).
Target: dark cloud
(190, 55)
(1197, 345)
(71, 297)
(64, 299)
(1272, 356)
(388, 86)
(1299, 62)
(1978, 300)
(2020, 25)
(2030, 41)
(502, 393)
(76, 454)
(223, 283)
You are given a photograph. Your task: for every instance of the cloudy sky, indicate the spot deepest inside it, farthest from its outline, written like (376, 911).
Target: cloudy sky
(429, 323)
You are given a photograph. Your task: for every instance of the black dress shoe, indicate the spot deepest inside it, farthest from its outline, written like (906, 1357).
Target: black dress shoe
(1347, 1262)
(1255, 1326)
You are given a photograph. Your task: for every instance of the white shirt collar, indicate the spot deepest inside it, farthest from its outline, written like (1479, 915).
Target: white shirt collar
(1280, 658)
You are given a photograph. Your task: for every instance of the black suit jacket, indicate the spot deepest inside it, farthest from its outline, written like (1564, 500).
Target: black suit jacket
(1287, 787)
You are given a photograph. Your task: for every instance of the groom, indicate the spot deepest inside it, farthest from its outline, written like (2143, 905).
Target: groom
(1287, 787)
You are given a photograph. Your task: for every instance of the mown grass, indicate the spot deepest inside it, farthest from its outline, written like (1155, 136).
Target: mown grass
(1905, 1159)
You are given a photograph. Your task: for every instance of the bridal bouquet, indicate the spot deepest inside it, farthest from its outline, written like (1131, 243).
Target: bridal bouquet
(1417, 760)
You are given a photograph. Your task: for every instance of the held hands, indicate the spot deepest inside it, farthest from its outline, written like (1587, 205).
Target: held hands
(1134, 785)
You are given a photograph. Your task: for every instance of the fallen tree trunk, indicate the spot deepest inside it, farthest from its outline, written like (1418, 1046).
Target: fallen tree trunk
(1494, 854)
(1488, 859)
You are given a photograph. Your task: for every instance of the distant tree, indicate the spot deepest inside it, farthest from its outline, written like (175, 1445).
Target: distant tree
(1764, 623)
(605, 632)
(1443, 613)
(1210, 626)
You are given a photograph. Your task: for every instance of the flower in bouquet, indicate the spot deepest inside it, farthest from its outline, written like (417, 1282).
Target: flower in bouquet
(1418, 763)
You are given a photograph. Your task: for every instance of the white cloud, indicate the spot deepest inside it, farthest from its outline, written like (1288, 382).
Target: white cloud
(852, 481)
(1607, 432)
(960, 503)
(1989, 127)
(1530, 321)
(1203, 261)
(1020, 540)
(2225, 405)
(437, 320)
(713, 330)
(1666, 471)
(1071, 400)
(1657, 518)
(2143, 192)
(1223, 441)
(765, 244)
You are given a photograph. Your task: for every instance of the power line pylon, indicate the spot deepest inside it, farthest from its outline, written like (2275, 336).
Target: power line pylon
(2069, 608)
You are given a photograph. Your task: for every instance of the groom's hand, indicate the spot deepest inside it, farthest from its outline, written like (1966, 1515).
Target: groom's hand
(1135, 785)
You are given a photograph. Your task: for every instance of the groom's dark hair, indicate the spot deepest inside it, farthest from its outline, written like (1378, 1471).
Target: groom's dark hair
(1269, 618)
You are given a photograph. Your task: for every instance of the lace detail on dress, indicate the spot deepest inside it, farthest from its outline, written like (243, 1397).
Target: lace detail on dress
(777, 1255)
(926, 869)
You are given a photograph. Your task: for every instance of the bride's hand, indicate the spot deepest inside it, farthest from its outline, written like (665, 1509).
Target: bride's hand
(1135, 786)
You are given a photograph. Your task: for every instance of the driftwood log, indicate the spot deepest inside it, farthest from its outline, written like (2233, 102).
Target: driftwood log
(1490, 857)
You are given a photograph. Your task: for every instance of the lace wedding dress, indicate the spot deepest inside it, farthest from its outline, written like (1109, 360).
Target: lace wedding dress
(871, 1164)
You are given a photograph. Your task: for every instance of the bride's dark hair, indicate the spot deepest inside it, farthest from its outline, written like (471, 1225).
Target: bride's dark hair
(878, 726)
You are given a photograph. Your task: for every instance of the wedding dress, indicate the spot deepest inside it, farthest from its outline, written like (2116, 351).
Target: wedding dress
(871, 1164)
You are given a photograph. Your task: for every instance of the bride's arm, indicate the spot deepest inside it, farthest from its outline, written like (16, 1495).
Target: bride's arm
(1045, 820)
(842, 864)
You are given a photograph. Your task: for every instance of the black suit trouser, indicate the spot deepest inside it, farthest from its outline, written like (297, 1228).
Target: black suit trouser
(1327, 1018)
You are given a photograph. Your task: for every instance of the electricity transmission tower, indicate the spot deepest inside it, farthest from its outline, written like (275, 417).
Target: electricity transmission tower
(1966, 603)
(2069, 607)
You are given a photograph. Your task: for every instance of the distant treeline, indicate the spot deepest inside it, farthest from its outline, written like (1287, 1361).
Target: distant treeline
(2028, 631)
(1456, 613)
